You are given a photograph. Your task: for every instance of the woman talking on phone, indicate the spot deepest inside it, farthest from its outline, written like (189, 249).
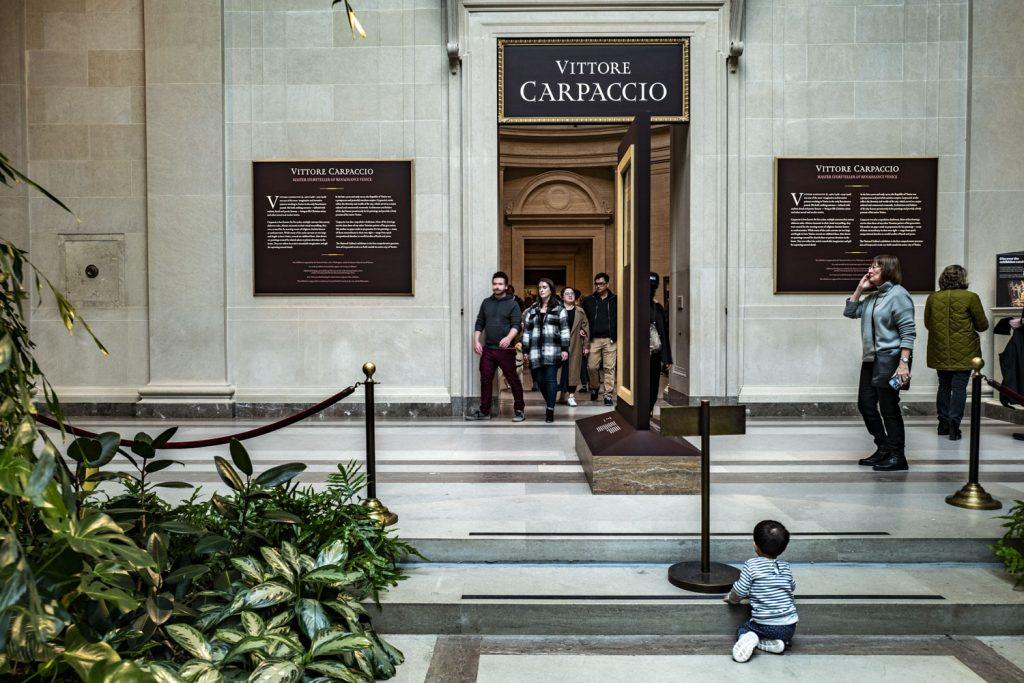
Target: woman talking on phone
(887, 333)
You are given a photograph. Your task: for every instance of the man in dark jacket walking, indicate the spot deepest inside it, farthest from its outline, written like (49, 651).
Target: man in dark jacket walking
(600, 308)
(499, 321)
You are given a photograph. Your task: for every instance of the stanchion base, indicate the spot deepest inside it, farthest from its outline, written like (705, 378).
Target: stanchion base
(688, 576)
(379, 513)
(973, 497)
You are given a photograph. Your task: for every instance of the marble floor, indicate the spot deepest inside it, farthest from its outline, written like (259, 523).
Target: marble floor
(496, 502)
(602, 659)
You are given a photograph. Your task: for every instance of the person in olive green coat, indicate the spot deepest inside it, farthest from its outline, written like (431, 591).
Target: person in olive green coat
(953, 317)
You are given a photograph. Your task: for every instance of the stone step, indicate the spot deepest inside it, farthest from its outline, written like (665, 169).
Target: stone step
(637, 599)
(669, 548)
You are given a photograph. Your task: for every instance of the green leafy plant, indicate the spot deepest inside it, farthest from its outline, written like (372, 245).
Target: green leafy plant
(285, 618)
(1009, 547)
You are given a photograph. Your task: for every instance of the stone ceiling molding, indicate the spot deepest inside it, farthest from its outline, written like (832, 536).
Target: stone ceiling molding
(560, 195)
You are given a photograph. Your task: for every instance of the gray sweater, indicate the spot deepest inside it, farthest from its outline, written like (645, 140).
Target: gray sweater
(893, 311)
(496, 319)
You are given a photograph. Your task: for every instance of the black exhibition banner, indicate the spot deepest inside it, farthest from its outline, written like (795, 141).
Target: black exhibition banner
(593, 80)
(332, 227)
(834, 214)
(1010, 280)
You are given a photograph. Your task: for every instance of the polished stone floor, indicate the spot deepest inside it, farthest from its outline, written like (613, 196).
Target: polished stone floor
(504, 512)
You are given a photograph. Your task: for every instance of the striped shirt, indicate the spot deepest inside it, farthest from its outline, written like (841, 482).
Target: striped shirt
(770, 586)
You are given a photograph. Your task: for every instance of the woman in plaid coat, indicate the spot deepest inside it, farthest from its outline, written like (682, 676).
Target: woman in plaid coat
(546, 341)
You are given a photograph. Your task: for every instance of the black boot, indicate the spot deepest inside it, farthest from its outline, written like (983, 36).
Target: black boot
(878, 456)
(954, 431)
(896, 462)
(943, 427)
(549, 416)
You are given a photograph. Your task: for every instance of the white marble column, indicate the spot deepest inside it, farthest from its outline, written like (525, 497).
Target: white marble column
(185, 197)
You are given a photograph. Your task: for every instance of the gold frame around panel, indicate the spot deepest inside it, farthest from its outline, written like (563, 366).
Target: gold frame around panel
(412, 225)
(683, 42)
(623, 229)
(775, 210)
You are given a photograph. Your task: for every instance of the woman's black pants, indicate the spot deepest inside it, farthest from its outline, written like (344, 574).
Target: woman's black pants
(880, 409)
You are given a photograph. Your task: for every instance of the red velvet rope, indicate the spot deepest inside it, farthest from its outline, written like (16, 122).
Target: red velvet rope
(219, 440)
(1003, 390)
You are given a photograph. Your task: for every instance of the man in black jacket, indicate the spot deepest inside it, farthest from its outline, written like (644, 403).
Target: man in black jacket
(499, 321)
(1011, 360)
(600, 308)
(661, 357)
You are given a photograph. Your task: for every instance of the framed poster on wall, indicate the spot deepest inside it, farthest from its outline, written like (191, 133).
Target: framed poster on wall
(625, 189)
(333, 227)
(833, 214)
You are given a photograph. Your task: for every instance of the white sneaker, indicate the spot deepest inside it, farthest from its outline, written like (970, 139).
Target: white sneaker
(744, 647)
(572, 401)
(776, 647)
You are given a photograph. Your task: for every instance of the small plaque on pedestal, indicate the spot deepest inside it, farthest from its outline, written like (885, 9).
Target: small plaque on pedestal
(618, 458)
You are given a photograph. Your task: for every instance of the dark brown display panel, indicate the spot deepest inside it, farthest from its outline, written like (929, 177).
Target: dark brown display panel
(833, 214)
(333, 227)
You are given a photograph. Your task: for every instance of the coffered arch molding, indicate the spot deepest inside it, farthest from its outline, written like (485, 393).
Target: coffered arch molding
(558, 195)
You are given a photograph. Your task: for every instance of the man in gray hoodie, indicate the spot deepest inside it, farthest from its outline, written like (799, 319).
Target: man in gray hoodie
(498, 322)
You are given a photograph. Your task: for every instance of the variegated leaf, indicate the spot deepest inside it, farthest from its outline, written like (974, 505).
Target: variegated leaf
(277, 563)
(268, 594)
(276, 672)
(334, 641)
(338, 672)
(335, 552)
(249, 567)
(312, 617)
(194, 642)
(252, 623)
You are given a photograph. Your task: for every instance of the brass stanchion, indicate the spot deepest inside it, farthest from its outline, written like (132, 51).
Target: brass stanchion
(379, 511)
(972, 496)
(704, 576)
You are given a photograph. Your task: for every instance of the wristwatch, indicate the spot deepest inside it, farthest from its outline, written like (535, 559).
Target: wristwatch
(905, 360)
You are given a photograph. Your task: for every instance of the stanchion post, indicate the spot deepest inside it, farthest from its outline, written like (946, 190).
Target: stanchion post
(705, 576)
(379, 512)
(972, 496)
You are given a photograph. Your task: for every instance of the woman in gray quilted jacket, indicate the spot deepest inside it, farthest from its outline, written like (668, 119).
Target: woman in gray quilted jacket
(953, 317)
(546, 341)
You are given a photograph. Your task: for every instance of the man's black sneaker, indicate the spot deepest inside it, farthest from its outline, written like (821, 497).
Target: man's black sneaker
(477, 415)
(593, 395)
(608, 400)
(519, 416)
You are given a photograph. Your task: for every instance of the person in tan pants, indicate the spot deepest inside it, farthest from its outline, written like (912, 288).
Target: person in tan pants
(600, 308)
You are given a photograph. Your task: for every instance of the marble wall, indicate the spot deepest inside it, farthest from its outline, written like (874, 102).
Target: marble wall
(85, 134)
(299, 86)
(995, 171)
(146, 115)
(843, 78)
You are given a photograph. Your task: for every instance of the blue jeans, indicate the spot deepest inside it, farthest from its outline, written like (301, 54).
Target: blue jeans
(766, 632)
(951, 398)
(547, 378)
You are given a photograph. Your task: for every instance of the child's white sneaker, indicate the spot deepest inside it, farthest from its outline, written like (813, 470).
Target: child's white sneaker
(776, 647)
(744, 646)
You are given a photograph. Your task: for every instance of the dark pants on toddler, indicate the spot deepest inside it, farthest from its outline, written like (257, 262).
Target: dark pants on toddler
(491, 360)
(767, 632)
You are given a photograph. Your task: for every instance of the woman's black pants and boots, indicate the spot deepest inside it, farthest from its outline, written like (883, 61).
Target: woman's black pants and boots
(880, 408)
